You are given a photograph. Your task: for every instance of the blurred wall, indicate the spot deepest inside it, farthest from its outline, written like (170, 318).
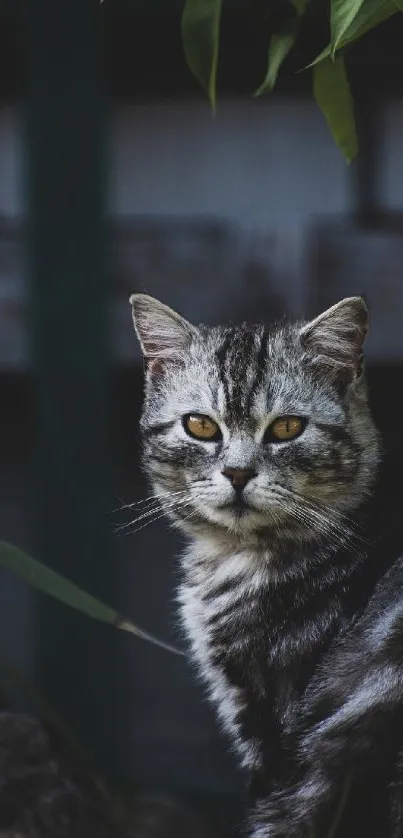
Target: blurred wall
(173, 157)
(391, 158)
(262, 165)
(11, 196)
(256, 163)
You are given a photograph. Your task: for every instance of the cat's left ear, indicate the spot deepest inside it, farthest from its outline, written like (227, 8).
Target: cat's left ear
(335, 339)
(163, 334)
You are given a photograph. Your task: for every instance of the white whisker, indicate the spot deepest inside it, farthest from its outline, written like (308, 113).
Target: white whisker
(155, 513)
(326, 520)
(155, 497)
(156, 518)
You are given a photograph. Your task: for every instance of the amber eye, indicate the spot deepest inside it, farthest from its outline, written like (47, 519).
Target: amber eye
(285, 428)
(201, 427)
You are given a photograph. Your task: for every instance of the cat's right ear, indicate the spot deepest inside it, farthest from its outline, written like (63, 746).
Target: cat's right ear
(334, 341)
(163, 334)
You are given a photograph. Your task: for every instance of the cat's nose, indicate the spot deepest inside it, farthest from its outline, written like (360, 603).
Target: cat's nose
(239, 477)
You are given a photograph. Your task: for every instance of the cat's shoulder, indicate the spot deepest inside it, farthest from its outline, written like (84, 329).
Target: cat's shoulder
(383, 618)
(388, 591)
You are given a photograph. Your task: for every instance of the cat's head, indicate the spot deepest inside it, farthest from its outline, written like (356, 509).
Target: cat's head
(248, 430)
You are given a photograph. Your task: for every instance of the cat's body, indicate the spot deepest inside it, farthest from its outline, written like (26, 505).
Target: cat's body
(262, 449)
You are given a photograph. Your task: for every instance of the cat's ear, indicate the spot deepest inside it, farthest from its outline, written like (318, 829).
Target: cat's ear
(335, 339)
(163, 334)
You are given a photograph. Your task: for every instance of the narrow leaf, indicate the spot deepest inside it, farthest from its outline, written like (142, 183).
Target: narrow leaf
(280, 46)
(342, 14)
(371, 14)
(399, 4)
(52, 583)
(200, 34)
(300, 5)
(333, 95)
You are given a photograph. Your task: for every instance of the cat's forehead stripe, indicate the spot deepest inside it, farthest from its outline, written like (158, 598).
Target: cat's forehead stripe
(260, 368)
(221, 357)
(241, 359)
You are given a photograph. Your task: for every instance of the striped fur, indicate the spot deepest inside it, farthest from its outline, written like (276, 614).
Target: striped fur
(292, 619)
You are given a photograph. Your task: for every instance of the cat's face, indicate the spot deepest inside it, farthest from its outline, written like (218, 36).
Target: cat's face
(247, 429)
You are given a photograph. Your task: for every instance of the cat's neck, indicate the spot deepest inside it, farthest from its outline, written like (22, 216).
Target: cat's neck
(274, 558)
(311, 573)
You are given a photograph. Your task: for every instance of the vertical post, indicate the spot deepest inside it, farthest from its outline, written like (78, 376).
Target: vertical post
(68, 285)
(365, 168)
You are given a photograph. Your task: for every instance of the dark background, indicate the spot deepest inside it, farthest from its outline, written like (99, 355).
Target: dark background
(115, 178)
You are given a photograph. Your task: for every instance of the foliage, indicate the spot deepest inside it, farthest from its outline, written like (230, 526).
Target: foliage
(349, 20)
(49, 582)
(57, 586)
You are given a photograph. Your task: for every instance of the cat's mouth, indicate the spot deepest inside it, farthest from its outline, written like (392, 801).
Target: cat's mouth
(238, 505)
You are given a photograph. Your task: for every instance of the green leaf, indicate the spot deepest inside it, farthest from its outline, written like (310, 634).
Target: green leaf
(399, 4)
(371, 14)
(342, 14)
(300, 5)
(52, 583)
(280, 46)
(333, 95)
(200, 34)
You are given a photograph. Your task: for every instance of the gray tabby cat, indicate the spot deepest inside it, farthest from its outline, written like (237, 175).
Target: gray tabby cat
(261, 448)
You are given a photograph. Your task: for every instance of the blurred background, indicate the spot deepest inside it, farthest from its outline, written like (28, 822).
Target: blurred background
(115, 177)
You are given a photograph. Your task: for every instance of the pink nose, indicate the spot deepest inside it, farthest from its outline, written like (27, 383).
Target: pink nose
(239, 477)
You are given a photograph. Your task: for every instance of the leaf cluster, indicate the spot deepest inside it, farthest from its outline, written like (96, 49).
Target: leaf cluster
(348, 20)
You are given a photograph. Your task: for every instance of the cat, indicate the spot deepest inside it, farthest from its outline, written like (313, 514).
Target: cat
(261, 448)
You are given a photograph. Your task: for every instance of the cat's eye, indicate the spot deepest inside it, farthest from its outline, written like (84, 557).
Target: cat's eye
(285, 428)
(201, 427)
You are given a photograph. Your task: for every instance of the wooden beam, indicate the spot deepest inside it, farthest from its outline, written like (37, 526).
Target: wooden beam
(67, 262)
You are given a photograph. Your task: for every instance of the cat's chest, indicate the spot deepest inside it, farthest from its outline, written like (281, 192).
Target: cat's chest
(225, 668)
(223, 612)
(238, 644)
(255, 645)
(238, 620)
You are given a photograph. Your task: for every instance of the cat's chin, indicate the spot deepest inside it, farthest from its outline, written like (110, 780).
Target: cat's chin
(231, 525)
(239, 520)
